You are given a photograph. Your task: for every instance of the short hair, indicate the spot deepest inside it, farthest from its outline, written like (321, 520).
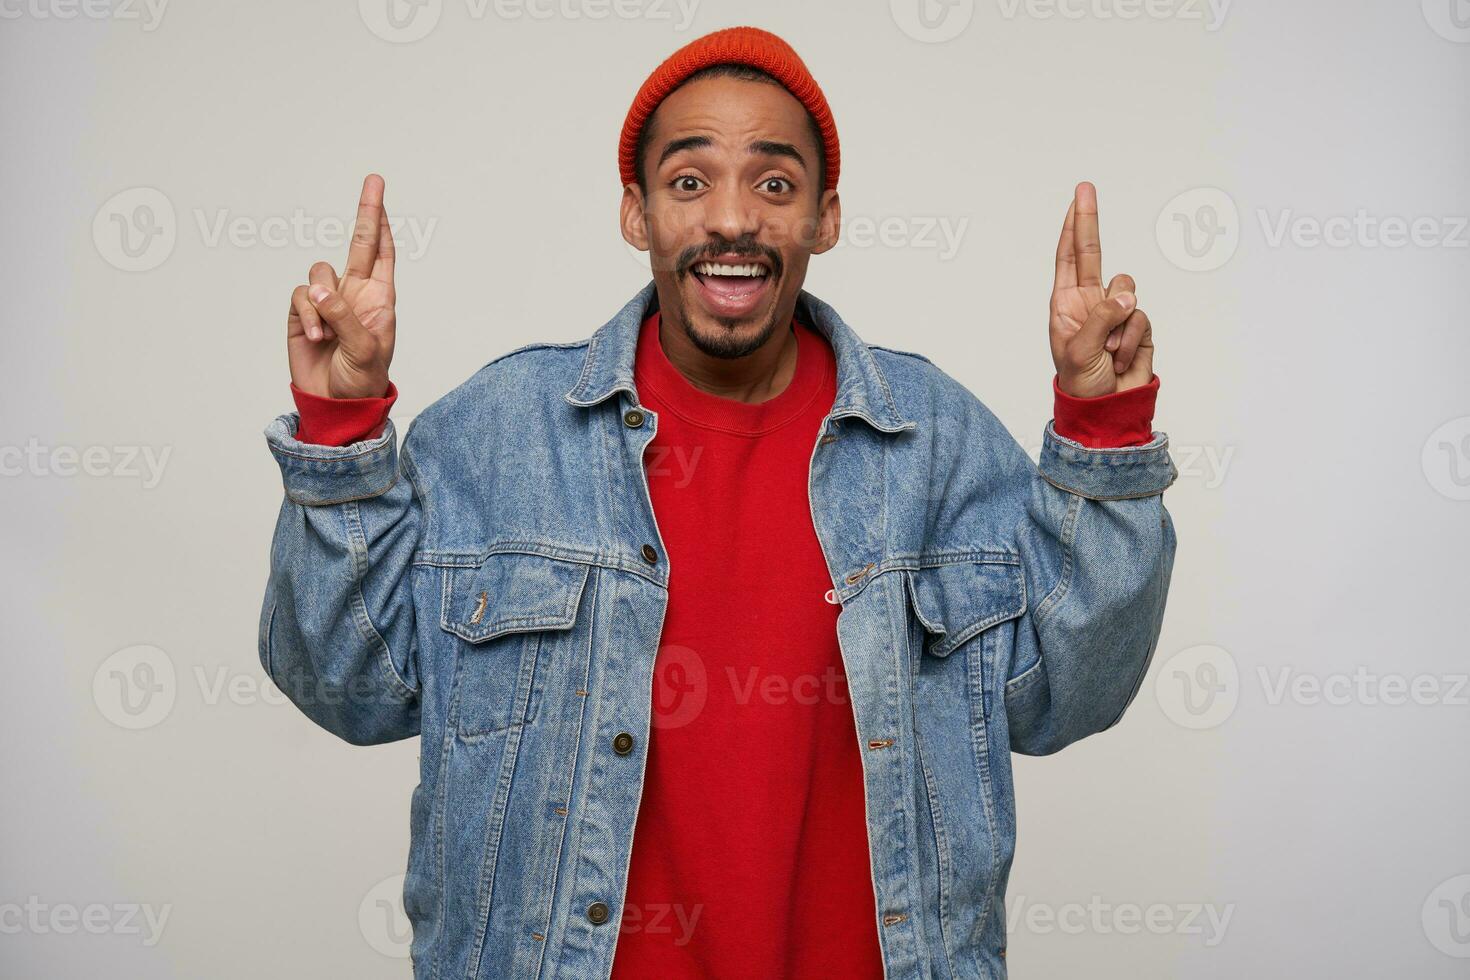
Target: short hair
(749, 73)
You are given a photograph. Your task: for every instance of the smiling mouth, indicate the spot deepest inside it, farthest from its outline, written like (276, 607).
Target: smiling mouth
(732, 284)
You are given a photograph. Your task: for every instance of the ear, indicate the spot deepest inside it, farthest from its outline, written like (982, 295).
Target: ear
(829, 222)
(631, 219)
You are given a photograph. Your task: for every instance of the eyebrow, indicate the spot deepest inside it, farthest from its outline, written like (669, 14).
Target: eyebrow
(771, 148)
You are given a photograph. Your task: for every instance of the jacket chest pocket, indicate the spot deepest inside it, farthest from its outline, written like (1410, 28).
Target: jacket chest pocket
(961, 603)
(509, 612)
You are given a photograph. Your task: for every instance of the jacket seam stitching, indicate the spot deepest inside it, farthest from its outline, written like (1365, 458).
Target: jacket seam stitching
(383, 655)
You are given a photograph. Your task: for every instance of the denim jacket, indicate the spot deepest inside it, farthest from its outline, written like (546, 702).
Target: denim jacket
(497, 587)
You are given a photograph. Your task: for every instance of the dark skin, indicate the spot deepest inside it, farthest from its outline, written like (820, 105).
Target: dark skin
(722, 197)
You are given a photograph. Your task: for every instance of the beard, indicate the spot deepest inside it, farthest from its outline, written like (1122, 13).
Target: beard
(727, 345)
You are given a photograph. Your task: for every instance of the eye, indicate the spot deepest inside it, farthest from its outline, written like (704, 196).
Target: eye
(683, 181)
(778, 180)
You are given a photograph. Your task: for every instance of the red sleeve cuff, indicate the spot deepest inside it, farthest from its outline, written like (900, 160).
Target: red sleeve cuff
(1124, 418)
(341, 421)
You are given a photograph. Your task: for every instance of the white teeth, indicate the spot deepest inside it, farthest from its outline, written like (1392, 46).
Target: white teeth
(716, 269)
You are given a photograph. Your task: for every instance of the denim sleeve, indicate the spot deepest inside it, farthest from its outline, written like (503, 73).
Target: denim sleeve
(1097, 548)
(337, 625)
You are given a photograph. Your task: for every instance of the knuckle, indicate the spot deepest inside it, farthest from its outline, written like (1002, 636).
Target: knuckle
(321, 269)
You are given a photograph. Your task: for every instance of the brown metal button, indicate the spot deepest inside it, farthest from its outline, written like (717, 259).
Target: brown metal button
(622, 743)
(633, 418)
(597, 913)
(650, 554)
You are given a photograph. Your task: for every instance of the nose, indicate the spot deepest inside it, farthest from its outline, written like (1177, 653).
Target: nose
(731, 213)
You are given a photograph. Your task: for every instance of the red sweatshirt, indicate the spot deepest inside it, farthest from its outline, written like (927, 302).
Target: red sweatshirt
(750, 855)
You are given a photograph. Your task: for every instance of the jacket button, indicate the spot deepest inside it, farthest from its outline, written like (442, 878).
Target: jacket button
(622, 743)
(633, 418)
(597, 913)
(650, 554)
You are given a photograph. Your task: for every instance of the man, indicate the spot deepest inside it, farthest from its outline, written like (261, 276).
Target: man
(719, 626)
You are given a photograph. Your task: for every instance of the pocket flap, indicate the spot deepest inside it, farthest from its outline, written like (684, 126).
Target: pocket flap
(511, 592)
(956, 601)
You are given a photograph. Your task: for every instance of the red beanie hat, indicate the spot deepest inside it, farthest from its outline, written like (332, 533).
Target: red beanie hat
(741, 45)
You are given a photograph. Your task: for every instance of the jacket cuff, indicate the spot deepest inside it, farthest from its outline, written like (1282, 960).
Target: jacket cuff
(1124, 418)
(341, 421)
(1106, 474)
(317, 476)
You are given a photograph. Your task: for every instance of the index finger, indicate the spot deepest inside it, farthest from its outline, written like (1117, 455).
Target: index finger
(364, 248)
(1066, 275)
(1086, 241)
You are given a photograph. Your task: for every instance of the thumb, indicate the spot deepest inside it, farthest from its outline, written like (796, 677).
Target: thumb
(357, 342)
(1101, 320)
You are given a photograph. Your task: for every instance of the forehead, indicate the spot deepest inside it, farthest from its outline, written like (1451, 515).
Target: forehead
(733, 110)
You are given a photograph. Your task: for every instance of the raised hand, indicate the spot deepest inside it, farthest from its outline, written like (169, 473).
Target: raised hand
(1101, 341)
(339, 334)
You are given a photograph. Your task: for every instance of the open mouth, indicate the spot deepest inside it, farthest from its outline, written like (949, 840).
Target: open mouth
(731, 289)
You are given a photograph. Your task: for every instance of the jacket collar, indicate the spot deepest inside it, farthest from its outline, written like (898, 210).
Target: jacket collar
(862, 390)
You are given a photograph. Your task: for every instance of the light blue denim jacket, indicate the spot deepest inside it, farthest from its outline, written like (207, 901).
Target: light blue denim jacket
(497, 587)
